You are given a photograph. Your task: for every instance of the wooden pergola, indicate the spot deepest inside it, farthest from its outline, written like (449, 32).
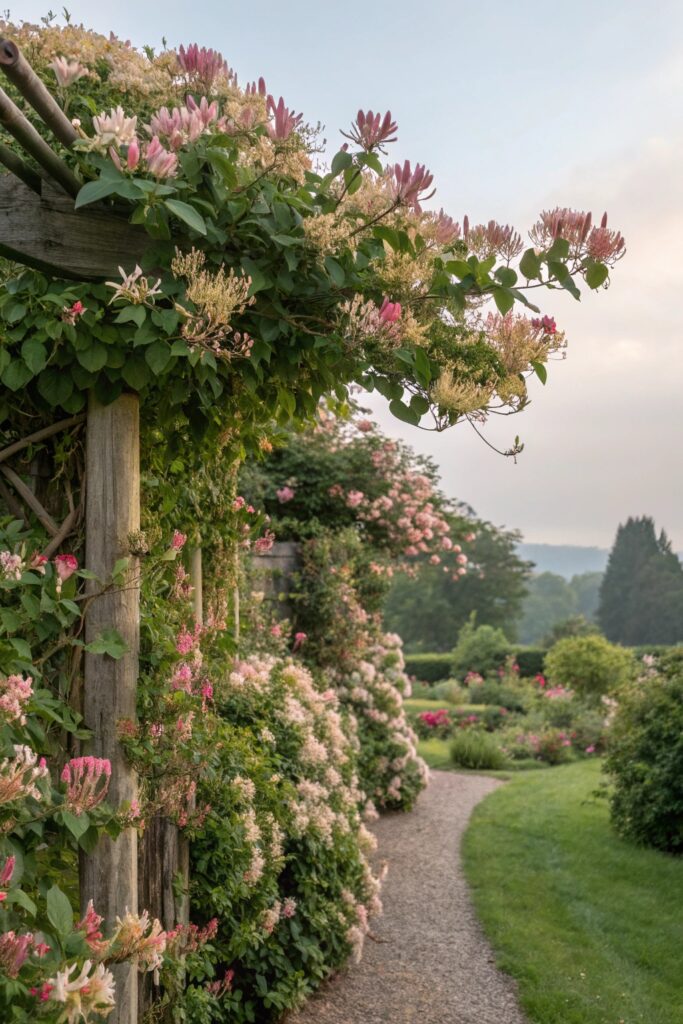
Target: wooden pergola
(40, 228)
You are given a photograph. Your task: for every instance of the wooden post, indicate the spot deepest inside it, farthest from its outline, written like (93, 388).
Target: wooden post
(109, 876)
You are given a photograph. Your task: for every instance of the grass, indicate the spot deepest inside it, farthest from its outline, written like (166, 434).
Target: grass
(417, 704)
(590, 926)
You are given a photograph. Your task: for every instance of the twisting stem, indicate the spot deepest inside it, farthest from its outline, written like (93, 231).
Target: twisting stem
(40, 435)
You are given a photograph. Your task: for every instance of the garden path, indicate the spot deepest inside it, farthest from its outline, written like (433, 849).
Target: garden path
(431, 963)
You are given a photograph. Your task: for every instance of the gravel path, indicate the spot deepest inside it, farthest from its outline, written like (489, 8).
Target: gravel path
(432, 964)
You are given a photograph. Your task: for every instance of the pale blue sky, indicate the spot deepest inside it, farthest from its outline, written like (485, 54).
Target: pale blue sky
(514, 106)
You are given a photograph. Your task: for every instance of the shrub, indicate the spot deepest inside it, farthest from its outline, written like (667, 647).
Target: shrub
(645, 763)
(488, 691)
(451, 691)
(479, 649)
(494, 718)
(590, 665)
(553, 746)
(429, 668)
(479, 750)
(530, 661)
(430, 724)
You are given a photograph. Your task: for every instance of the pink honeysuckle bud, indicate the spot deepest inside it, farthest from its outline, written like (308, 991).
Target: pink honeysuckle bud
(133, 155)
(299, 640)
(254, 89)
(390, 312)
(371, 131)
(65, 566)
(7, 871)
(408, 184)
(284, 120)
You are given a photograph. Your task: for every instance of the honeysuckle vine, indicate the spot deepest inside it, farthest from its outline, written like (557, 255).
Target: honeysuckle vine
(272, 280)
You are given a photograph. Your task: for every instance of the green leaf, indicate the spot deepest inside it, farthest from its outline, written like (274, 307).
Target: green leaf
(186, 213)
(530, 265)
(95, 190)
(340, 161)
(136, 374)
(55, 386)
(131, 314)
(158, 356)
(77, 824)
(108, 642)
(401, 411)
(14, 312)
(540, 371)
(419, 404)
(506, 276)
(285, 240)
(335, 270)
(559, 250)
(23, 900)
(596, 275)
(34, 354)
(94, 357)
(59, 912)
(16, 375)
(503, 300)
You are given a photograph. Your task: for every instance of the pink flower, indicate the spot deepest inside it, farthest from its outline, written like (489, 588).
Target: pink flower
(390, 312)
(365, 426)
(7, 871)
(65, 566)
(90, 924)
(285, 494)
(254, 89)
(179, 540)
(283, 122)
(202, 63)
(276, 630)
(289, 907)
(408, 185)
(14, 950)
(299, 639)
(265, 543)
(371, 131)
(67, 71)
(590, 749)
(546, 324)
(87, 782)
(133, 155)
(38, 563)
(160, 163)
(354, 498)
(238, 504)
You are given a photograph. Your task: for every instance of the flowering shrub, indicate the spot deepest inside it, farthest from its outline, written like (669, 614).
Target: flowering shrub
(390, 770)
(644, 762)
(434, 723)
(590, 665)
(281, 860)
(554, 746)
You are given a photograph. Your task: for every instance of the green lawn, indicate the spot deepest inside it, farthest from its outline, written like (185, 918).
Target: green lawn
(590, 926)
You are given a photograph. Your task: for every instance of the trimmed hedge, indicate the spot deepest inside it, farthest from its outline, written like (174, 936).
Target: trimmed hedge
(428, 668)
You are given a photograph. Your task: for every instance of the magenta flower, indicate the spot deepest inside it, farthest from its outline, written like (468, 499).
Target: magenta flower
(390, 312)
(14, 950)
(285, 494)
(299, 639)
(546, 323)
(179, 540)
(284, 120)
(371, 131)
(91, 925)
(133, 155)
(408, 185)
(255, 89)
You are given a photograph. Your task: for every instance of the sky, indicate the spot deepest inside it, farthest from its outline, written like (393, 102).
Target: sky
(515, 108)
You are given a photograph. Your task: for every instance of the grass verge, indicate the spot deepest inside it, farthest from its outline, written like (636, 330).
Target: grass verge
(590, 926)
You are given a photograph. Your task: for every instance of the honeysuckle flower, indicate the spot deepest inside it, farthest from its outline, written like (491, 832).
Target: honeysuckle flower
(114, 128)
(285, 494)
(263, 544)
(546, 324)
(407, 185)
(15, 693)
(91, 925)
(87, 782)
(299, 639)
(14, 950)
(179, 540)
(159, 162)
(134, 287)
(371, 131)
(67, 71)
(390, 312)
(205, 110)
(65, 566)
(87, 993)
(365, 426)
(283, 120)
(257, 89)
(354, 498)
(133, 155)
(20, 775)
(203, 63)
(11, 566)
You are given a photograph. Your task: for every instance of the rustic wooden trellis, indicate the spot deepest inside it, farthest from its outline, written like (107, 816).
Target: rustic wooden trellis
(40, 228)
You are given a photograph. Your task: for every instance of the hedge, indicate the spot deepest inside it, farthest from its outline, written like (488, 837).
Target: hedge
(428, 668)
(530, 660)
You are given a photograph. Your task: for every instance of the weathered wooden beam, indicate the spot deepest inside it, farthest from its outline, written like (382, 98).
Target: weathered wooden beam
(35, 145)
(13, 162)
(24, 78)
(46, 232)
(109, 876)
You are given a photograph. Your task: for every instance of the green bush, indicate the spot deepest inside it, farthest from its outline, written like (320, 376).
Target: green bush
(451, 691)
(530, 661)
(481, 649)
(471, 748)
(491, 692)
(589, 665)
(428, 668)
(645, 763)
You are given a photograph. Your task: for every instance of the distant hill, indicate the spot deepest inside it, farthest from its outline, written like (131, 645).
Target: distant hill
(564, 559)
